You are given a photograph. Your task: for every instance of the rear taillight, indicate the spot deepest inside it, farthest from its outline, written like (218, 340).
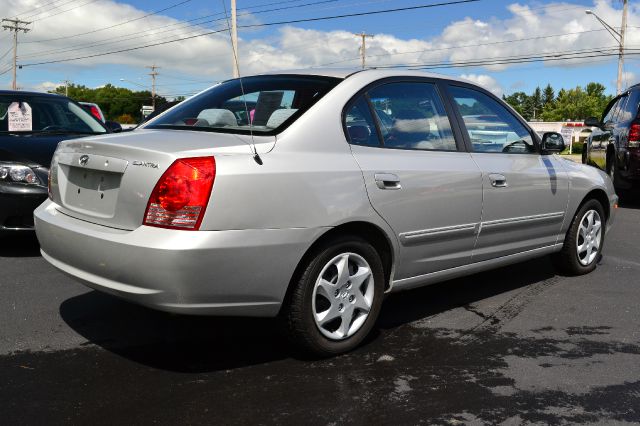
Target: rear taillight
(96, 113)
(180, 197)
(634, 135)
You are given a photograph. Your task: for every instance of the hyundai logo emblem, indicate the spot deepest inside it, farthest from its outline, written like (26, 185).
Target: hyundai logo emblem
(84, 160)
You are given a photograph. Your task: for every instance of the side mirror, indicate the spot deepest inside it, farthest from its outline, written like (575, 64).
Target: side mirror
(592, 122)
(113, 126)
(552, 143)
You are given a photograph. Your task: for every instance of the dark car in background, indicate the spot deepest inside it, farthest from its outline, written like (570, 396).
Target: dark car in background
(31, 126)
(614, 145)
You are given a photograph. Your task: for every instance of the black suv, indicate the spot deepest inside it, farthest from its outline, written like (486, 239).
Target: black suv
(614, 146)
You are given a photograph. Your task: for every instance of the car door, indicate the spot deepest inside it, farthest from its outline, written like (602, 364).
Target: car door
(601, 137)
(417, 175)
(525, 194)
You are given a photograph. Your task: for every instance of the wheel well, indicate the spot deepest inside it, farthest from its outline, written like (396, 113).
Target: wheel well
(365, 230)
(601, 196)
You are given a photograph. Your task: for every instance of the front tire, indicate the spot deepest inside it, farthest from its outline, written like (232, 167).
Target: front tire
(584, 240)
(337, 298)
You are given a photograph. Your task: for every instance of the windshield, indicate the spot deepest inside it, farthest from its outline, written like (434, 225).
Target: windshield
(23, 113)
(270, 104)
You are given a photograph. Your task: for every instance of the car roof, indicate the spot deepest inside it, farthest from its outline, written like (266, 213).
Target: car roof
(28, 93)
(347, 72)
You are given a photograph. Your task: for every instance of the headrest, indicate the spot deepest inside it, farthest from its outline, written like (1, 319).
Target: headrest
(218, 117)
(279, 116)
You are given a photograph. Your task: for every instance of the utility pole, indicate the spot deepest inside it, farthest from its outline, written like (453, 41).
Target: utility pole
(234, 39)
(363, 47)
(623, 29)
(619, 36)
(153, 75)
(15, 25)
(66, 88)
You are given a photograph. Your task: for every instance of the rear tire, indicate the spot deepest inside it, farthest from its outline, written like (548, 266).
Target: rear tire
(336, 299)
(584, 241)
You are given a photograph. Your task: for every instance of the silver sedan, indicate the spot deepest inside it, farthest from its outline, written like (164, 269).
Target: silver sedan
(309, 195)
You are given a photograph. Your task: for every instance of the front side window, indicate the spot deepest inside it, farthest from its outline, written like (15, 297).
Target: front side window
(24, 113)
(259, 104)
(490, 126)
(411, 115)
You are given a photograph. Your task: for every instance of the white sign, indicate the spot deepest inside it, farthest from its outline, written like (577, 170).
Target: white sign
(567, 135)
(20, 117)
(146, 110)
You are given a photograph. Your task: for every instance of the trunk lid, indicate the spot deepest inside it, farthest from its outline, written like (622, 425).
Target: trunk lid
(108, 180)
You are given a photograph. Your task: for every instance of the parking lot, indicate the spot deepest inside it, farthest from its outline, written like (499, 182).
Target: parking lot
(516, 345)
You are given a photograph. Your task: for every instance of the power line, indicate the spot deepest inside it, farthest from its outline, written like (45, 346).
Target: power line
(126, 37)
(54, 7)
(351, 15)
(64, 11)
(556, 56)
(36, 8)
(462, 46)
(450, 3)
(6, 53)
(115, 25)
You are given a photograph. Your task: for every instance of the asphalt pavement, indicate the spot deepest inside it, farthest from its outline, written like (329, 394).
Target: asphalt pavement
(518, 345)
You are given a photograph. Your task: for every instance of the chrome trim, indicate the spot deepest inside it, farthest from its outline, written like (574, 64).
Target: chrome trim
(500, 223)
(459, 271)
(412, 237)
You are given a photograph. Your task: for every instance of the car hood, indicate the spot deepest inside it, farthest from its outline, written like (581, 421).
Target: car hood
(31, 149)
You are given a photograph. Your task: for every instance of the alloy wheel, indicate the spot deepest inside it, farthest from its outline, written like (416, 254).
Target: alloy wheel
(589, 237)
(343, 296)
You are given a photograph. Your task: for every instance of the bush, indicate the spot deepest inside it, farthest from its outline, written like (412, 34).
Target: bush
(126, 119)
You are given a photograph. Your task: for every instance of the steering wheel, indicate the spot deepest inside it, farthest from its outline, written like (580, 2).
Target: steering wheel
(525, 146)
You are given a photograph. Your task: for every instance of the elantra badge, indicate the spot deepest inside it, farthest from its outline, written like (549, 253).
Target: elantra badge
(145, 164)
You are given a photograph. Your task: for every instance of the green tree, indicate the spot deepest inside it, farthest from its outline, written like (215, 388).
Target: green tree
(548, 96)
(518, 101)
(113, 101)
(578, 103)
(533, 106)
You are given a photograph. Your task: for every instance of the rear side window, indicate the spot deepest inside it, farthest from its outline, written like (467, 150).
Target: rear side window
(411, 115)
(490, 126)
(361, 128)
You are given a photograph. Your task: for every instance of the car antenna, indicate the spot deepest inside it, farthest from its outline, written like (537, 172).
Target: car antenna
(256, 156)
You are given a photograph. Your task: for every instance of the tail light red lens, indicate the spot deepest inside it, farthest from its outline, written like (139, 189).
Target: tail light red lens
(634, 135)
(180, 197)
(96, 113)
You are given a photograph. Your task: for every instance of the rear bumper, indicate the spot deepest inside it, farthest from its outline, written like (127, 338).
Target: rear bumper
(630, 170)
(17, 203)
(243, 272)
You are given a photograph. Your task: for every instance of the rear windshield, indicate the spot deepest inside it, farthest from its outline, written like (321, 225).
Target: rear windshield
(23, 113)
(269, 104)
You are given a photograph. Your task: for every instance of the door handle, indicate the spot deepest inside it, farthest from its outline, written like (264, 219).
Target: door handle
(387, 181)
(498, 180)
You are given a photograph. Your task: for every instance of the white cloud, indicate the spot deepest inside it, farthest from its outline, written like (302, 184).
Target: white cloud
(209, 57)
(485, 81)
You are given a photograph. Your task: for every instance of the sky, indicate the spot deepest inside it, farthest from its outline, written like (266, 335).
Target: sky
(459, 33)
